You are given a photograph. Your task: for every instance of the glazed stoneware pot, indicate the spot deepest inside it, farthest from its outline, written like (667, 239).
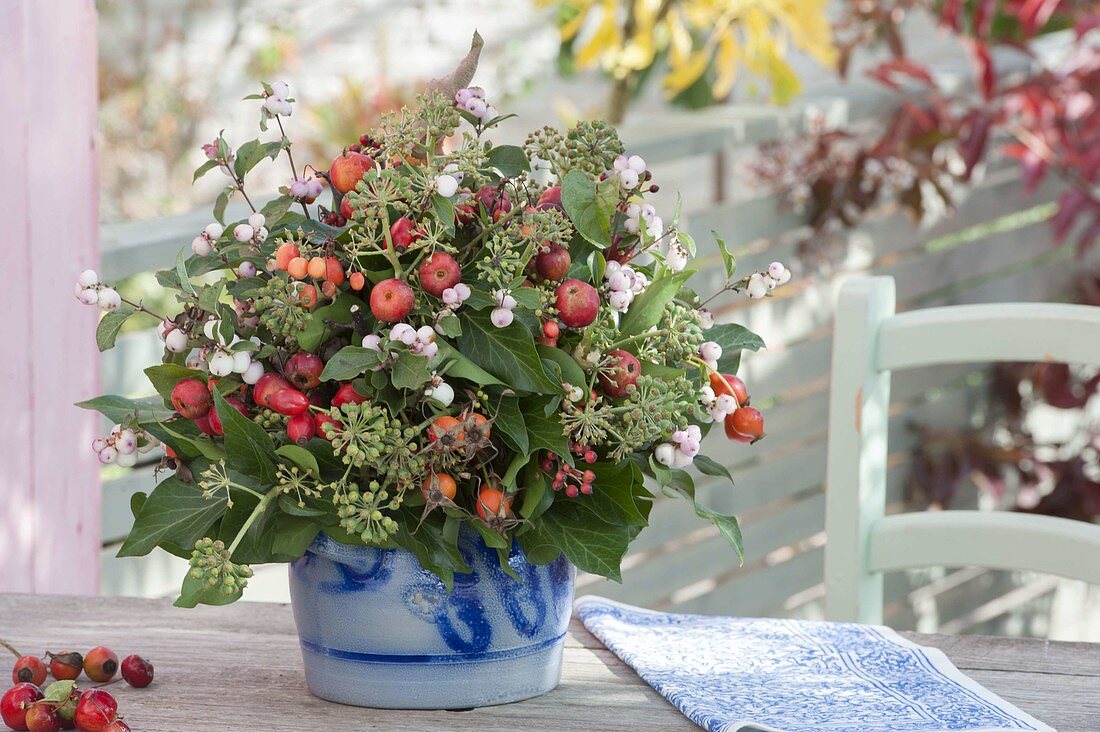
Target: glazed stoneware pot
(377, 630)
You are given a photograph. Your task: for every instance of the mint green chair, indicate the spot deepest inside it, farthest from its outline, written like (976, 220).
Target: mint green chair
(870, 342)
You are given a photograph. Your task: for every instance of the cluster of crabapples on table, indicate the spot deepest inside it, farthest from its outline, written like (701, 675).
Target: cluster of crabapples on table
(31, 705)
(468, 334)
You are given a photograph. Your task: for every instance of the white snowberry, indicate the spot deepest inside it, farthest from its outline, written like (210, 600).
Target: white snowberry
(776, 270)
(620, 301)
(446, 185)
(175, 341)
(677, 257)
(108, 455)
(127, 459)
(636, 163)
(756, 287)
(241, 361)
(442, 392)
(710, 351)
(201, 246)
(213, 231)
(246, 269)
(253, 373)
(501, 317)
(629, 179)
(257, 220)
(221, 364)
(665, 453)
(126, 442)
(88, 297)
(109, 299)
(373, 342)
(88, 278)
(280, 90)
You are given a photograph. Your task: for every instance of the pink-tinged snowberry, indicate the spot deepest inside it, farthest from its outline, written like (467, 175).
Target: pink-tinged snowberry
(14, 703)
(391, 300)
(501, 317)
(95, 711)
(577, 303)
(191, 398)
(439, 272)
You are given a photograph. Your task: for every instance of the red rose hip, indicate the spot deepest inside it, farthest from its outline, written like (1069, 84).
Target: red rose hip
(101, 663)
(746, 424)
(301, 428)
(137, 671)
(438, 272)
(66, 665)
(268, 384)
(577, 303)
(290, 402)
(391, 300)
(191, 398)
(29, 669)
(13, 705)
(95, 710)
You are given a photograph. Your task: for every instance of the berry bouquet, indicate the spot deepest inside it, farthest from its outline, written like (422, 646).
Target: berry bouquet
(471, 336)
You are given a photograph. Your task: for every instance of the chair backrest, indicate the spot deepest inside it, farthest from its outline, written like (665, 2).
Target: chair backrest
(870, 341)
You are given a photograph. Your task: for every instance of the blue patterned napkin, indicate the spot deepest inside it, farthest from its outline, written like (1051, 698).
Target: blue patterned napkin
(729, 674)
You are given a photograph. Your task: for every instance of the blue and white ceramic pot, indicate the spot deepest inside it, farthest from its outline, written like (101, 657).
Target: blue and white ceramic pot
(377, 630)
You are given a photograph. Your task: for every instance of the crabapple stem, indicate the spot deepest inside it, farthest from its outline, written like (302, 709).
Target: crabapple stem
(10, 647)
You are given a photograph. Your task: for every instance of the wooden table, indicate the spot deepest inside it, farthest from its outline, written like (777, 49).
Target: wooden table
(238, 668)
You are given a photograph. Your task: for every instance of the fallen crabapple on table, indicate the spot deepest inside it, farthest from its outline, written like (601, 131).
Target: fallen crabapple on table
(495, 338)
(29, 706)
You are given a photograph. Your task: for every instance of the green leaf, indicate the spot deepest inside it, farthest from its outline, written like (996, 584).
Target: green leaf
(181, 273)
(59, 691)
(733, 338)
(709, 466)
(176, 513)
(590, 205)
(349, 362)
(249, 154)
(728, 260)
(275, 209)
(507, 353)
(458, 366)
(118, 408)
(248, 447)
(221, 203)
(680, 482)
(571, 371)
(590, 543)
(436, 553)
(301, 457)
(292, 536)
(444, 209)
(410, 371)
(508, 423)
(509, 160)
(450, 326)
(544, 432)
(203, 169)
(647, 308)
(619, 496)
(186, 440)
(687, 240)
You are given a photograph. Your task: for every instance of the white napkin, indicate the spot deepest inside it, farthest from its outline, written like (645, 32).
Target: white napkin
(729, 674)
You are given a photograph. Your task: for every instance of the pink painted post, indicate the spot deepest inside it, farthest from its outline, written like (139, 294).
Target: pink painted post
(49, 478)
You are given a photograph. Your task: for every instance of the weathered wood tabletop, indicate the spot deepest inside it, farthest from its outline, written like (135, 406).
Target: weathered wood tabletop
(238, 668)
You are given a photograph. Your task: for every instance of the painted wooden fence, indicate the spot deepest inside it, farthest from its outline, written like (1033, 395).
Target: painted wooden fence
(49, 523)
(681, 563)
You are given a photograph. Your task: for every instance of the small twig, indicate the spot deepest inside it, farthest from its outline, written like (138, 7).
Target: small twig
(10, 647)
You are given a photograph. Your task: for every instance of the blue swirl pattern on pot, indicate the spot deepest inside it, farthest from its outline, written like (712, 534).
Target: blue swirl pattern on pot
(378, 630)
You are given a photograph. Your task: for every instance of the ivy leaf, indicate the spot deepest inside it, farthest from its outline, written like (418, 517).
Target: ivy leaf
(249, 449)
(571, 371)
(458, 366)
(544, 432)
(646, 310)
(508, 423)
(339, 311)
(728, 260)
(620, 496)
(509, 160)
(590, 543)
(436, 552)
(349, 362)
(733, 338)
(444, 209)
(301, 457)
(109, 325)
(506, 353)
(291, 536)
(175, 512)
(590, 205)
(410, 371)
